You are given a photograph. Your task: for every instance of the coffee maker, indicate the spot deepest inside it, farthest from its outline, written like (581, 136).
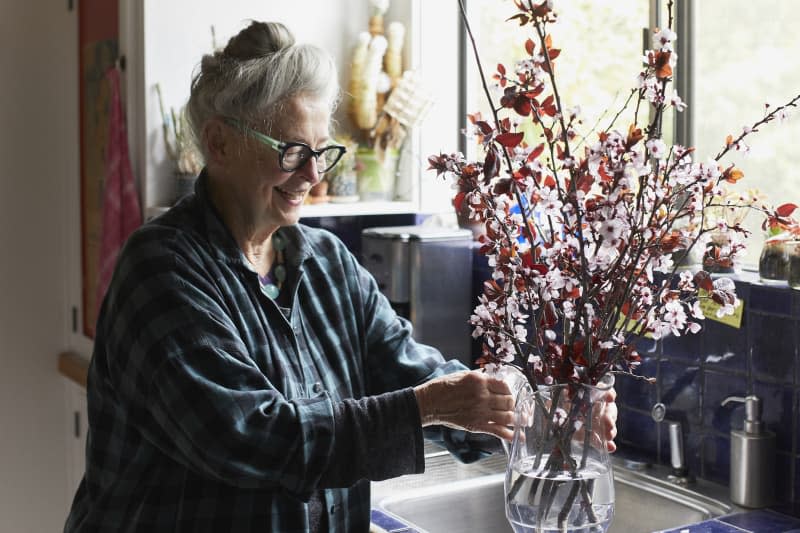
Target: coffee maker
(426, 274)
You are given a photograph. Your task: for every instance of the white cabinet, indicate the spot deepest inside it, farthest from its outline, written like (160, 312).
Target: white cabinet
(77, 423)
(163, 43)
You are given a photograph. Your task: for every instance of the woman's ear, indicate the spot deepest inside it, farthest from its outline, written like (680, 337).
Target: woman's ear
(217, 141)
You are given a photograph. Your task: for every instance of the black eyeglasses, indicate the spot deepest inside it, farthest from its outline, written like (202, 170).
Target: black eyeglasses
(293, 155)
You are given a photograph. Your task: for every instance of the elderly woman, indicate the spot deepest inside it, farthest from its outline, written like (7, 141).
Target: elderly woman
(248, 375)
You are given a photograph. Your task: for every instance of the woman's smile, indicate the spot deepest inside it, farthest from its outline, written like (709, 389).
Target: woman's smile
(293, 196)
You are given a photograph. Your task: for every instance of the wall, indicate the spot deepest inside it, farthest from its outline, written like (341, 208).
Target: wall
(164, 42)
(38, 164)
(178, 33)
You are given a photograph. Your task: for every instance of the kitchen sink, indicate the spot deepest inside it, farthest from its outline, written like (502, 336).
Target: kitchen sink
(645, 502)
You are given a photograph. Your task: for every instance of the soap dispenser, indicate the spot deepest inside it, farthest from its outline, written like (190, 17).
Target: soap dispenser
(752, 458)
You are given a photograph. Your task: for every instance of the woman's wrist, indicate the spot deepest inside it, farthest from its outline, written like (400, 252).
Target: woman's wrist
(422, 394)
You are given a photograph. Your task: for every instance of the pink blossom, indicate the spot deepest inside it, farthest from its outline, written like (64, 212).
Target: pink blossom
(551, 203)
(610, 232)
(662, 40)
(657, 148)
(676, 102)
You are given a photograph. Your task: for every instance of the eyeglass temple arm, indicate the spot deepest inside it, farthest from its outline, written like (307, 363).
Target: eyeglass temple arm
(269, 141)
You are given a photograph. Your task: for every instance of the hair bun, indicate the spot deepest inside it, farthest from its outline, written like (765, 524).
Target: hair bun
(259, 39)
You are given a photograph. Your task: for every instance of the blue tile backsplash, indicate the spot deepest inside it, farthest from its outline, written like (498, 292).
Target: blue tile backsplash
(695, 373)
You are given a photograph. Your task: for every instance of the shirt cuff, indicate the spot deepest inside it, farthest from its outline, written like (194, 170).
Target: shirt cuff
(376, 437)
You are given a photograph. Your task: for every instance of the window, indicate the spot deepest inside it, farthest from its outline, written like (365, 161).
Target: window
(734, 55)
(601, 44)
(743, 57)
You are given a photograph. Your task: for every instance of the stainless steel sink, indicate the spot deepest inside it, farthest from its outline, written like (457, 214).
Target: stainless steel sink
(644, 503)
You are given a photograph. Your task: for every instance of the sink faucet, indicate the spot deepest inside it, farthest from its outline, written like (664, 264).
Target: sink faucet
(677, 459)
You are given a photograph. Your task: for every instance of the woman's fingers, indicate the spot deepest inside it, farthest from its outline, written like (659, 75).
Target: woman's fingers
(501, 402)
(610, 414)
(498, 430)
(468, 400)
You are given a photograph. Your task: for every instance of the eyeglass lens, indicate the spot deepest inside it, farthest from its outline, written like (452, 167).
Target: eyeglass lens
(296, 156)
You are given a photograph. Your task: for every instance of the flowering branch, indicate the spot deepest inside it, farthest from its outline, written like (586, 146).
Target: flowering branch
(583, 244)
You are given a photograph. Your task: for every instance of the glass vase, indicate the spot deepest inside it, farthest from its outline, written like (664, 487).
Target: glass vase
(559, 475)
(376, 172)
(773, 264)
(793, 270)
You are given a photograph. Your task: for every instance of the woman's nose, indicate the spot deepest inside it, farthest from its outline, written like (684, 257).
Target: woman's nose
(310, 171)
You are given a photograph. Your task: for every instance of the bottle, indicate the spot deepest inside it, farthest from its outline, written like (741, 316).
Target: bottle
(752, 458)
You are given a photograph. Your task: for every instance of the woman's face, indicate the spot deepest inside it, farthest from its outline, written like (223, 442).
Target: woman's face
(274, 196)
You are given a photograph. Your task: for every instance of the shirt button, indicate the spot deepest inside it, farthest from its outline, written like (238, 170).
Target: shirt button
(317, 388)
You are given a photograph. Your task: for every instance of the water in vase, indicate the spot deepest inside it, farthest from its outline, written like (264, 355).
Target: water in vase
(541, 500)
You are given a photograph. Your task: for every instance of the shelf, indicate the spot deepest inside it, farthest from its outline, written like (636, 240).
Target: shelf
(330, 209)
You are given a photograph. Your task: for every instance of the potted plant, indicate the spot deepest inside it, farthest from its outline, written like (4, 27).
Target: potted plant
(180, 147)
(782, 232)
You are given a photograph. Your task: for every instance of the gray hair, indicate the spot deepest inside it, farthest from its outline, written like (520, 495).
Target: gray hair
(257, 72)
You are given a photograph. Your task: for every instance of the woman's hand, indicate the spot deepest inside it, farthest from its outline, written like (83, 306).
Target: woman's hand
(470, 400)
(608, 418)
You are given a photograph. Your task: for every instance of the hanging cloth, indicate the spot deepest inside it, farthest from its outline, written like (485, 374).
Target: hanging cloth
(121, 211)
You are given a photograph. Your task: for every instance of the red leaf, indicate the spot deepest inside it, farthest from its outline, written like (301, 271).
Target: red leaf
(486, 129)
(458, 201)
(548, 107)
(584, 182)
(785, 210)
(536, 152)
(501, 69)
(703, 280)
(549, 181)
(502, 186)
(604, 175)
(491, 166)
(554, 53)
(510, 140)
(523, 19)
(549, 315)
(530, 46)
(732, 174)
(540, 268)
(522, 106)
(661, 64)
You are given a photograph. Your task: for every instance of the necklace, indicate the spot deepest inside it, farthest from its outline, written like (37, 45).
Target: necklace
(272, 283)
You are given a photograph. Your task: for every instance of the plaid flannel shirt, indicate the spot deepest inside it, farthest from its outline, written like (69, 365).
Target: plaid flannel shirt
(213, 409)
